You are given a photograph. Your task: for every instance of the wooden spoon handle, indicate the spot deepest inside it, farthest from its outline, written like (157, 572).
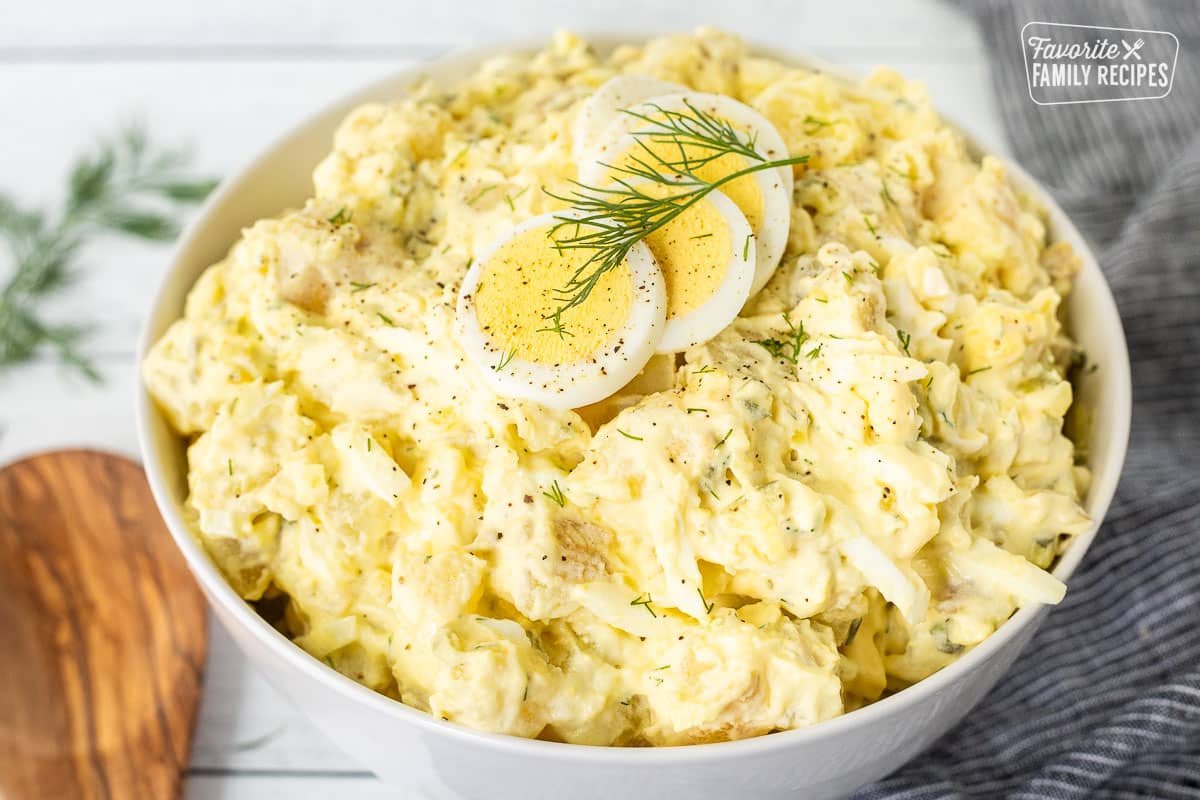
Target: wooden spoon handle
(102, 634)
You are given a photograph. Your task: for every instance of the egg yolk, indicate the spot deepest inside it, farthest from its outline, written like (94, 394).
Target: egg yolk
(516, 297)
(693, 252)
(743, 191)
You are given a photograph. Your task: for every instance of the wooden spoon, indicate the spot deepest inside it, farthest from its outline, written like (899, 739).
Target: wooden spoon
(102, 634)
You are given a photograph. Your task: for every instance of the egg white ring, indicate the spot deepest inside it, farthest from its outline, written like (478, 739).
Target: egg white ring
(722, 307)
(580, 383)
(606, 102)
(769, 241)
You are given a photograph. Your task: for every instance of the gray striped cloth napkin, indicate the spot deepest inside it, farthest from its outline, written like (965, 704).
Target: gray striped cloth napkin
(1105, 702)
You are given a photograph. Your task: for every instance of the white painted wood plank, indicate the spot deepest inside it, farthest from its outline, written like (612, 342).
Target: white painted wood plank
(36, 28)
(42, 408)
(274, 787)
(245, 725)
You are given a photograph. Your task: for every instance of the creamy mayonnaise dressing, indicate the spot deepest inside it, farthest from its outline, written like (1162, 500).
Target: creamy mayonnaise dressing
(854, 483)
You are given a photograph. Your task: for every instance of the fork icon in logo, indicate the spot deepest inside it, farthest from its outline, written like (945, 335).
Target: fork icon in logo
(1132, 49)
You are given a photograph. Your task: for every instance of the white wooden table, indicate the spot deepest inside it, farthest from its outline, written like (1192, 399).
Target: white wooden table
(227, 76)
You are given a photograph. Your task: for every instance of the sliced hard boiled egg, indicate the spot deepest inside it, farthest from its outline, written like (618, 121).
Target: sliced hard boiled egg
(508, 299)
(707, 256)
(606, 103)
(764, 197)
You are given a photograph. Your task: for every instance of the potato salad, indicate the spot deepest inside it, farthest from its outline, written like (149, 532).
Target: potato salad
(661, 396)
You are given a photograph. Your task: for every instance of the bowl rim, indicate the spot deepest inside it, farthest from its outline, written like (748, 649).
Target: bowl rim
(221, 594)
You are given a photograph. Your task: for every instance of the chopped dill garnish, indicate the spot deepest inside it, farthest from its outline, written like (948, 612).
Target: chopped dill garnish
(724, 438)
(629, 435)
(516, 196)
(816, 351)
(708, 607)
(618, 216)
(387, 320)
(870, 227)
(229, 466)
(481, 194)
(556, 494)
(368, 444)
(788, 349)
(853, 632)
(341, 217)
(707, 368)
(697, 410)
(746, 247)
(813, 124)
(701, 236)
(979, 369)
(904, 338)
(905, 175)
(644, 601)
(941, 638)
(505, 358)
(878, 270)
(887, 195)
(359, 287)
(849, 278)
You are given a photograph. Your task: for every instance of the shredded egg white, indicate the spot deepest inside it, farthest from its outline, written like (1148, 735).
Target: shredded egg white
(852, 484)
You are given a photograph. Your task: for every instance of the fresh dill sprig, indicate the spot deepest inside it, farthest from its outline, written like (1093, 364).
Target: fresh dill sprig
(610, 220)
(905, 337)
(787, 349)
(123, 186)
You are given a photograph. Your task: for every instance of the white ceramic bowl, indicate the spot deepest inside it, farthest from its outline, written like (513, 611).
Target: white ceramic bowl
(423, 756)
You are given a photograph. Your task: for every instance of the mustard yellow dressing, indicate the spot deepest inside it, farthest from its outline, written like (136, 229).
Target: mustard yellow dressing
(693, 253)
(516, 296)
